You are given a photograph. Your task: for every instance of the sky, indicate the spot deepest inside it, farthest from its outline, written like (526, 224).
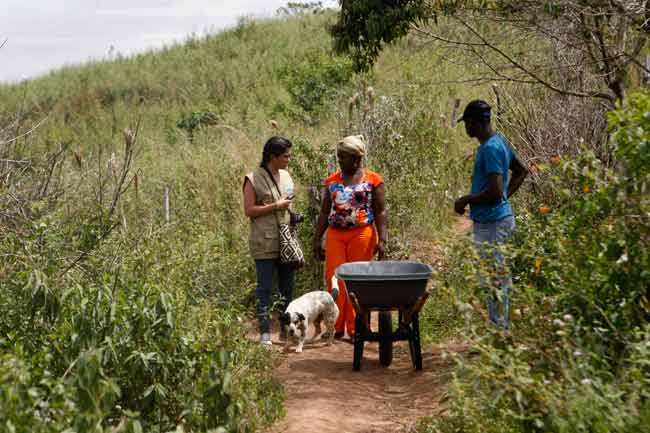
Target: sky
(45, 34)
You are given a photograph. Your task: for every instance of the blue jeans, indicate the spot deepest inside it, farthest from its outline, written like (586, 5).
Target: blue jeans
(494, 276)
(286, 282)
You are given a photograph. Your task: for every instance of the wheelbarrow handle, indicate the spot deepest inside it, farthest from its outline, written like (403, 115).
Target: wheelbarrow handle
(355, 303)
(407, 315)
(420, 302)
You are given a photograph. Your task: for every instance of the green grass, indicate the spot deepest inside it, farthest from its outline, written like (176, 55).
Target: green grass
(194, 274)
(241, 76)
(146, 325)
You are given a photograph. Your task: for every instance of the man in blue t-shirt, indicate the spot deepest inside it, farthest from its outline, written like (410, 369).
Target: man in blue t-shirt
(489, 207)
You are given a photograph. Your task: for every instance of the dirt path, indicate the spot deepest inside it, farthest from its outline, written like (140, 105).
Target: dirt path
(325, 395)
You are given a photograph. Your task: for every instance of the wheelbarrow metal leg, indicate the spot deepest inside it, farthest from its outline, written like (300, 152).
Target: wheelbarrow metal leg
(386, 341)
(414, 342)
(359, 335)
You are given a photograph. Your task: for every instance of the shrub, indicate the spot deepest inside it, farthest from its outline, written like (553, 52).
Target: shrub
(196, 120)
(109, 329)
(574, 360)
(315, 81)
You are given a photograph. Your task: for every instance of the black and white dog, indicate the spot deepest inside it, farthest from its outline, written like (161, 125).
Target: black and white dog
(313, 307)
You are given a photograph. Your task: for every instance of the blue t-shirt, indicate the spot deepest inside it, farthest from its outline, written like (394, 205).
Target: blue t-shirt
(493, 156)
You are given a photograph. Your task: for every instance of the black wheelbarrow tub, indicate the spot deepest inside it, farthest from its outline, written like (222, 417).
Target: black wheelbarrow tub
(385, 284)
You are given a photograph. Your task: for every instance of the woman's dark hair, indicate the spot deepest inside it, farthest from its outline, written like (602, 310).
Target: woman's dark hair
(273, 147)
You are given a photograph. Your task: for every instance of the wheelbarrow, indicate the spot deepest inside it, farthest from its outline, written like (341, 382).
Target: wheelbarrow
(386, 286)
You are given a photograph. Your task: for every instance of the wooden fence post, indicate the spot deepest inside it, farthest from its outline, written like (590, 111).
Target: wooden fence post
(166, 204)
(454, 113)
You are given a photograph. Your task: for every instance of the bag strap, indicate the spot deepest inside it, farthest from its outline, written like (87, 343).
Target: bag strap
(269, 187)
(274, 182)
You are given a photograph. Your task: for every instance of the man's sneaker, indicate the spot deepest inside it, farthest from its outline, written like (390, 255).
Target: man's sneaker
(265, 339)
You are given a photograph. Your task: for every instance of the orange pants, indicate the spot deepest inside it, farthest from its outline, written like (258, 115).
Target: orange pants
(342, 246)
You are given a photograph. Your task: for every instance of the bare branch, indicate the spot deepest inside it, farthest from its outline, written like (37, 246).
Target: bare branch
(130, 141)
(442, 39)
(531, 74)
(26, 133)
(87, 252)
(53, 162)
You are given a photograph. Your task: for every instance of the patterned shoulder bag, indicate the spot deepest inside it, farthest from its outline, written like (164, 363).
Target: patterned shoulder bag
(290, 250)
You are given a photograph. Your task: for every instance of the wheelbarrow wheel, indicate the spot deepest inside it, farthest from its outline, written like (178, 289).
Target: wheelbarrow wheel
(386, 340)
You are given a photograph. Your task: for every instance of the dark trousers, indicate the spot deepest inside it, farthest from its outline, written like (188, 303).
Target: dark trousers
(286, 282)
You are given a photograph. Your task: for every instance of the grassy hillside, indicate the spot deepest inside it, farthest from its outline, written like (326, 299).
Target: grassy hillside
(117, 319)
(204, 110)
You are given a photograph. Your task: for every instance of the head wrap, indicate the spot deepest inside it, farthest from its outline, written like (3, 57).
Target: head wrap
(352, 144)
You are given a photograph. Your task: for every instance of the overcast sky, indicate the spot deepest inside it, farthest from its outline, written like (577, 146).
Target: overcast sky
(46, 34)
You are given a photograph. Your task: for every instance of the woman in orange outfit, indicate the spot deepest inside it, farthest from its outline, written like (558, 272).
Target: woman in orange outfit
(354, 213)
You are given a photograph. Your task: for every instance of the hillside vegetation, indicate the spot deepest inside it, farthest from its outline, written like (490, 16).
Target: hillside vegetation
(127, 287)
(123, 313)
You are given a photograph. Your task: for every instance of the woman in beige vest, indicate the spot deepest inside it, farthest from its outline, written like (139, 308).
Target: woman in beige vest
(268, 192)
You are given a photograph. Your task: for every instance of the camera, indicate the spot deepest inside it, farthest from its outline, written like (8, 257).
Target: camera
(295, 218)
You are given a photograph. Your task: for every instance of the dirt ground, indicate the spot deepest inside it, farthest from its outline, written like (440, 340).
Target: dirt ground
(325, 395)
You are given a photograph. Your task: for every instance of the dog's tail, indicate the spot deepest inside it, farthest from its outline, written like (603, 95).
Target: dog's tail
(335, 287)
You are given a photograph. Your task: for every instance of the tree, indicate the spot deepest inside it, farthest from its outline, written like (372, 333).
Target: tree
(365, 26)
(567, 38)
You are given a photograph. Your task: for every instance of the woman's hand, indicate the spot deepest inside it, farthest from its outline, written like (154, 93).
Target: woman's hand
(380, 249)
(319, 252)
(283, 203)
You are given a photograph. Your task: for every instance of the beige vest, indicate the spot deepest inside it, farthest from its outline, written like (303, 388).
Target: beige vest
(264, 240)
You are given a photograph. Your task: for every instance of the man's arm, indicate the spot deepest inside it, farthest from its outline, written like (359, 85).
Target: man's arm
(489, 195)
(519, 173)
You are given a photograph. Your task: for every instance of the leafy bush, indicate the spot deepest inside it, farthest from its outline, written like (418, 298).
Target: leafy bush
(575, 359)
(630, 126)
(315, 81)
(105, 329)
(405, 148)
(129, 344)
(196, 120)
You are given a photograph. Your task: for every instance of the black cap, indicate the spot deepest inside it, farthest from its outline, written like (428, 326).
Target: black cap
(476, 109)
